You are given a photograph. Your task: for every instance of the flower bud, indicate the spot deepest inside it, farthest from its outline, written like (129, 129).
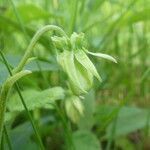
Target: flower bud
(74, 108)
(60, 43)
(72, 57)
(77, 40)
(80, 79)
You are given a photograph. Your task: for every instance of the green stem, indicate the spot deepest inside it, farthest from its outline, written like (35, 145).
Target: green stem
(2, 143)
(3, 97)
(24, 104)
(7, 138)
(34, 40)
(16, 73)
(68, 132)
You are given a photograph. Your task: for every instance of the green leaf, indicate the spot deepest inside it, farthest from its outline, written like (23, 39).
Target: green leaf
(23, 134)
(129, 119)
(85, 140)
(83, 59)
(36, 99)
(21, 137)
(101, 55)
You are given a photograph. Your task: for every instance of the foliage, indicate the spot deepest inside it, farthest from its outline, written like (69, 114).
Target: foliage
(60, 105)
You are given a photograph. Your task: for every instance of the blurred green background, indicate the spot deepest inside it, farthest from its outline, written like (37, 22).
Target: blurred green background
(117, 110)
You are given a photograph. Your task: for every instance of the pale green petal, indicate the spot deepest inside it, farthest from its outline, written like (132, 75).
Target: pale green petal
(101, 55)
(79, 106)
(83, 59)
(85, 78)
(66, 60)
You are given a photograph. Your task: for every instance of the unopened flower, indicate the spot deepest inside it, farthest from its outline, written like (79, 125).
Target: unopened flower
(74, 108)
(72, 56)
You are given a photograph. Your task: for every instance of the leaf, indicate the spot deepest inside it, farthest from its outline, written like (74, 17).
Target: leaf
(129, 119)
(36, 99)
(23, 134)
(83, 59)
(105, 56)
(21, 137)
(85, 140)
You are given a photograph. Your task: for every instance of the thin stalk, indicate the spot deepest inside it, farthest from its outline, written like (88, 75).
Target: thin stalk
(23, 102)
(7, 138)
(2, 143)
(110, 140)
(23, 29)
(22, 63)
(34, 40)
(3, 97)
(147, 131)
(25, 33)
(30, 117)
(67, 131)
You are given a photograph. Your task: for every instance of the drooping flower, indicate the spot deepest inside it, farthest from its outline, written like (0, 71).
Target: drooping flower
(73, 58)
